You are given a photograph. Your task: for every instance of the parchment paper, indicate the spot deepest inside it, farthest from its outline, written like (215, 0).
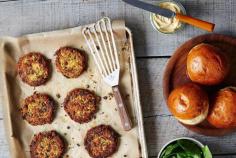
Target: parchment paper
(20, 133)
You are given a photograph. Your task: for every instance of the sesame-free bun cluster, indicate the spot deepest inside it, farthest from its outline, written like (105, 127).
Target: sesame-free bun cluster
(191, 103)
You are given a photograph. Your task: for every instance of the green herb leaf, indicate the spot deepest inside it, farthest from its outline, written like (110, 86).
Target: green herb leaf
(190, 147)
(185, 149)
(206, 152)
(178, 156)
(187, 154)
(182, 155)
(169, 149)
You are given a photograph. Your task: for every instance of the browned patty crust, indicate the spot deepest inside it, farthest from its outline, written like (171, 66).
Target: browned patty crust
(33, 68)
(81, 105)
(38, 109)
(47, 145)
(101, 141)
(71, 62)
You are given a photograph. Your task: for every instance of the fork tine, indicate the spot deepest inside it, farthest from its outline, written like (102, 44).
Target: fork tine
(91, 49)
(109, 44)
(114, 44)
(101, 51)
(105, 46)
(101, 34)
(96, 53)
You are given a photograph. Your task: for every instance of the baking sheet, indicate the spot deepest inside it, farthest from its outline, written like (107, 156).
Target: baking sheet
(14, 90)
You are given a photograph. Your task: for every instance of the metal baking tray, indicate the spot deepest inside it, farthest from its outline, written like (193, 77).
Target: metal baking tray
(18, 132)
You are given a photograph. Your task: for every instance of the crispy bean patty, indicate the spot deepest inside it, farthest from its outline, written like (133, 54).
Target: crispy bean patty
(33, 68)
(81, 105)
(38, 109)
(71, 62)
(47, 145)
(101, 141)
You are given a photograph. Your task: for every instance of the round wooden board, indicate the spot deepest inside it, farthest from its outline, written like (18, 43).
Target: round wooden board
(175, 74)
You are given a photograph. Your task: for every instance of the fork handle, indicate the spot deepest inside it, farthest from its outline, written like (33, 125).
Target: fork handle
(125, 119)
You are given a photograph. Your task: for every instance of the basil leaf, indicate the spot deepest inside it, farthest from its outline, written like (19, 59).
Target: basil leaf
(191, 147)
(185, 149)
(206, 152)
(187, 154)
(178, 156)
(169, 149)
(183, 155)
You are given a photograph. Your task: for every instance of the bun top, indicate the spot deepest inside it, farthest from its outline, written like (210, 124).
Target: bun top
(207, 65)
(223, 111)
(188, 101)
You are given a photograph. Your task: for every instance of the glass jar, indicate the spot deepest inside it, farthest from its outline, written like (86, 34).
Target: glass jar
(172, 24)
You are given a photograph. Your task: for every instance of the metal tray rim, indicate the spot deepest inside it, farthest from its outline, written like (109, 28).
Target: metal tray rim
(136, 92)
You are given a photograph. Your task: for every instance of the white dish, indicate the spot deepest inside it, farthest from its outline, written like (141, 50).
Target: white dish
(187, 138)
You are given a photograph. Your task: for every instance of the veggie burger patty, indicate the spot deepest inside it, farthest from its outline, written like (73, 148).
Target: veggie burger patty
(101, 141)
(47, 145)
(33, 68)
(38, 109)
(71, 62)
(81, 105)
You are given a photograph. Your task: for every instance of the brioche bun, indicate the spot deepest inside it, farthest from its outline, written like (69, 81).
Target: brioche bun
(223, 111)
(207, 65)
(189, 104)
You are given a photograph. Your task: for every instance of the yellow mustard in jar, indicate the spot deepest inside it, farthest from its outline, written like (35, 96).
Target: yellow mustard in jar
(164, 24)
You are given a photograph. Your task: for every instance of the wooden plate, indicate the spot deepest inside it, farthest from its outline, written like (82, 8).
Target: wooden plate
(175, 74)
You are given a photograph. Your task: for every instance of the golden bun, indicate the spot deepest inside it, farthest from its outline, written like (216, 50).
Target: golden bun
(189, 104)
(223, 110)
(207, 65)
